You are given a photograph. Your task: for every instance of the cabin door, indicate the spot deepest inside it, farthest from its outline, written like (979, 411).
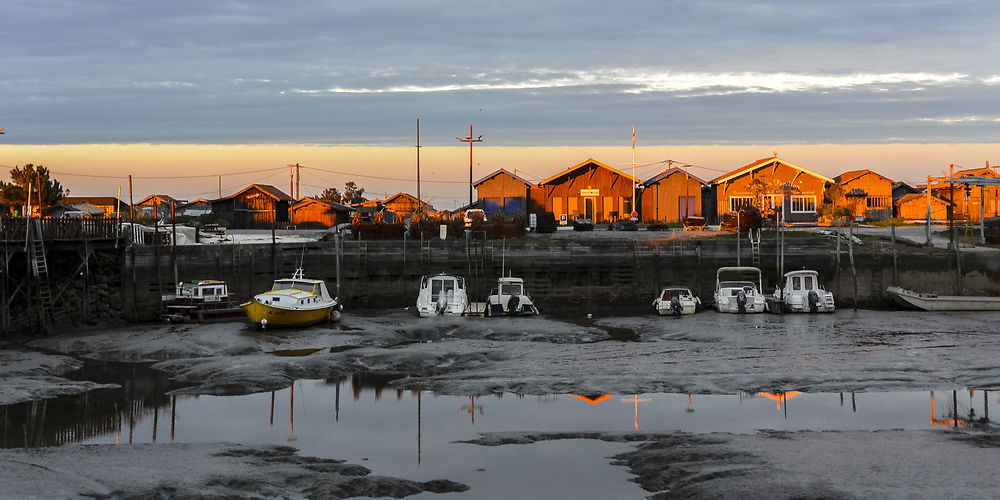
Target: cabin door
(685, 207)
(589, 208)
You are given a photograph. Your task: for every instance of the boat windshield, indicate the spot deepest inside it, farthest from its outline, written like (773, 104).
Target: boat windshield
(670, 293)
(510, 289)
(737, 284)
(441, 284)
(294, 285)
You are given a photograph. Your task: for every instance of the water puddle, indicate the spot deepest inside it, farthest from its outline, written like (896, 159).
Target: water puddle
(414, 434)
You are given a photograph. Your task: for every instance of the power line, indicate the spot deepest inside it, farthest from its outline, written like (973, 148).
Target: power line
(376, 176)
(154, 177)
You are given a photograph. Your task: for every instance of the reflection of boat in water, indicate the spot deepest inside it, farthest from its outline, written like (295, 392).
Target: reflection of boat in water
(510, 298)
(933, 302)
(442, 294)
(738, 296)
(802, 293)
(201, 301)
(294, 301)
(675, 301)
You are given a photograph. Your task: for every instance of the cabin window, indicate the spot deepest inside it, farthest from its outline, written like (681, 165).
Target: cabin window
(796, 283)
(736, 203)
(209, 291)
(510, 289)
(809, 282)
(803, 204)
(276, 299)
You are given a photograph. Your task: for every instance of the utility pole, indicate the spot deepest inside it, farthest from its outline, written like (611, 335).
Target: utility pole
(420, 206)
(633, 173)
(298, 192)
(470, 140)
(291, 180)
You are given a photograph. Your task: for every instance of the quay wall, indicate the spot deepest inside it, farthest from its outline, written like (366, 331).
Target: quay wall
(560, 273)
(118, 283)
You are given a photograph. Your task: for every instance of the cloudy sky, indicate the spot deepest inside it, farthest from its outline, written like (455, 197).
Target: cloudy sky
(525, 74)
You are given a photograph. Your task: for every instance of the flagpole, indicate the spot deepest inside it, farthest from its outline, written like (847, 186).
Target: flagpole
(633, 173)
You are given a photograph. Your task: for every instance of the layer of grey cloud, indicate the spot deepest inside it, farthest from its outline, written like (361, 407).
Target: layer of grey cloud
(525, 73)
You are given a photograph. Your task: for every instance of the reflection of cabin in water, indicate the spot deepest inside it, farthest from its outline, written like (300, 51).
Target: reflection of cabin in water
(671, 196)
(258, 206)
(315, 213)
(784, 183)
(590, 189)
(875, 194)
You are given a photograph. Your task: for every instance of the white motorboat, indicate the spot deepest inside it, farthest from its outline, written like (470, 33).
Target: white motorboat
(510, 298)
(199, 301)
(803, 293)
(933, 302)
(442, 294)
(738, 290)
(675, 301)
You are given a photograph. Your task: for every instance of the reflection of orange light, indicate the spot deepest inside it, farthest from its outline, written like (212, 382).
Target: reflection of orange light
(593, 399)
(779, 396)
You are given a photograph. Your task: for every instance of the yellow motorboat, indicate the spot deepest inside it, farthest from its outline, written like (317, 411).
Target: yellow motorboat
(294, 301)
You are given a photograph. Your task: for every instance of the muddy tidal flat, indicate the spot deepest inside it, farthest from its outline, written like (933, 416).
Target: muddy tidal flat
(855, 404)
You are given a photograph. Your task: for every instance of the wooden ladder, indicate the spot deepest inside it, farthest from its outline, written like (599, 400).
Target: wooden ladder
(40, 268)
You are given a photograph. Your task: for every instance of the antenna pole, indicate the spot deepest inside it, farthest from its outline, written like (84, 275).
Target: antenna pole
(420, 205)
(470, 140)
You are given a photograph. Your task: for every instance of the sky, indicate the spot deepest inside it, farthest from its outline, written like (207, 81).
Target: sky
(98, 90)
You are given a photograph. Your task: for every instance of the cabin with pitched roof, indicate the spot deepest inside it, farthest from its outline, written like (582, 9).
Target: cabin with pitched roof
(503, 191)
(671, 196)
(871, 194)
(774, 185)
(589, 189)
(315, 213)
(158, 204)
(257, 206)
(970, 203)
(109, 204)
(914, 206)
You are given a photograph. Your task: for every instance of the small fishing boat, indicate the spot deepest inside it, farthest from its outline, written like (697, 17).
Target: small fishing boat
(675, 301)
(934, 302)
(200, 301)
(442, 294)
(734, 295)
(294, 301)
(509, 298)
(802, 293)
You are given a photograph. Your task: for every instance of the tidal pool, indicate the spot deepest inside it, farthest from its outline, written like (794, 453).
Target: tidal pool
(417, 435)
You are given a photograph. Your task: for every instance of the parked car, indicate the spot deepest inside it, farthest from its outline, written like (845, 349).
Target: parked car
(474, 214)
(583, 224)
(623, 225)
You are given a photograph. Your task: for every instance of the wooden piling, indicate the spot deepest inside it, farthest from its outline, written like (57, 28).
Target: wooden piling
(895, 264)
(850, 253)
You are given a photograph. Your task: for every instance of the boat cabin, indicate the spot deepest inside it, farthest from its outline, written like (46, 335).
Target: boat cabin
(442, 283)
(204, 290)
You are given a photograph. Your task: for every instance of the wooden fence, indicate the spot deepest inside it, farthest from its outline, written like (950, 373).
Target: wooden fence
(16, 228)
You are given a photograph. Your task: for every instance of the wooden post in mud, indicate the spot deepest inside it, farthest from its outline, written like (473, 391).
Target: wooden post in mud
(839, 281)
(850, 253)
(958, 271)
(173, 242)
(895, 267)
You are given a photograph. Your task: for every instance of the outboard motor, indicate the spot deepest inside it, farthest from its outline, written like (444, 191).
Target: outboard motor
(513, 304)
(675, 306)
(741, 301)
(813, 301)
(442, 304)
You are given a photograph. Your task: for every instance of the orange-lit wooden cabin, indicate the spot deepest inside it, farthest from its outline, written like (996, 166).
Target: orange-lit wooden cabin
(589, 189)
(503, 191)
(314, 213)
(109, 204)
(877, 202)
(989, 200)
(914, 206)
(733, 191)
(671, 196)
(158, 204)
(257, 206)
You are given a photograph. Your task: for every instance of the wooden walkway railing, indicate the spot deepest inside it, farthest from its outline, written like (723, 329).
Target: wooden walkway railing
(16, 228)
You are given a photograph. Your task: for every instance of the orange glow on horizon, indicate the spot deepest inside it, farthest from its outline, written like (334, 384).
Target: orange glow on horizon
(100, 169)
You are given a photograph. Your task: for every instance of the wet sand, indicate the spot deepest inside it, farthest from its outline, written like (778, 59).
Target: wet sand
(707, 353)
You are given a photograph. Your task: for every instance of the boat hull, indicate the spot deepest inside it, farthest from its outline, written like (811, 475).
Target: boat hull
(930, 302)
(282, 317)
